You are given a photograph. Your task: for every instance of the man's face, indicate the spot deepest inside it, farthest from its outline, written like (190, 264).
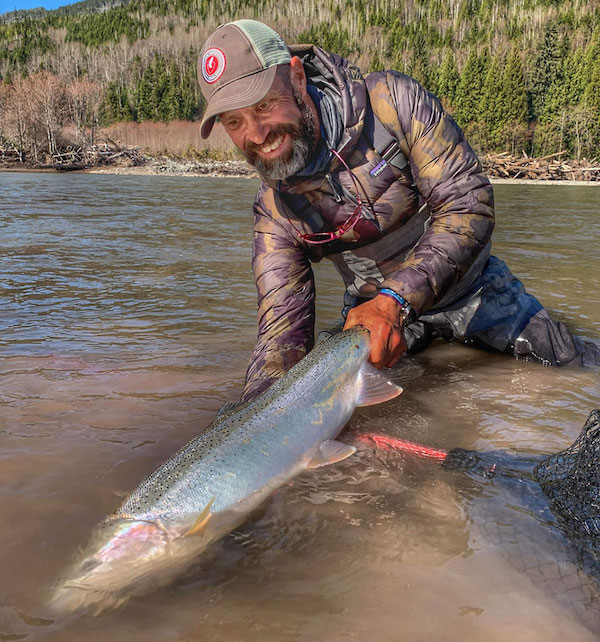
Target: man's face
(277, 134)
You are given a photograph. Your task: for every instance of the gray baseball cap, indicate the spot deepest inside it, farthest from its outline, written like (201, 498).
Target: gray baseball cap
(237, 66)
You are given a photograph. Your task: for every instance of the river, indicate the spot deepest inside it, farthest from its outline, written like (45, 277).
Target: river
(127, 316)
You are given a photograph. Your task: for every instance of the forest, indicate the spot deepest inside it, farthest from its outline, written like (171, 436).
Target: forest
(517, 75)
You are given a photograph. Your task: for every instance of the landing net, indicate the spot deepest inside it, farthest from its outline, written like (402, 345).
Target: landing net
(571, 481)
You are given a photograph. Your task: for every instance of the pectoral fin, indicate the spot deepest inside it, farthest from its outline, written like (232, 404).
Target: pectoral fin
(330, 452)
(374, 387)
(201, 520)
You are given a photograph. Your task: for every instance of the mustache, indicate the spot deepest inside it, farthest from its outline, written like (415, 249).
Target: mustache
(251, 149)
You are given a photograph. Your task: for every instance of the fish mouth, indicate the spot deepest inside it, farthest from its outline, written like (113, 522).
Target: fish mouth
(124, 557)
(76, 596)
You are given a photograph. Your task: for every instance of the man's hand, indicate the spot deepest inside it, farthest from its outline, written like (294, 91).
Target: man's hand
(382, 317)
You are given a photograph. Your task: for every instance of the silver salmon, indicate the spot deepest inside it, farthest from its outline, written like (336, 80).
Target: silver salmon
(216, 480)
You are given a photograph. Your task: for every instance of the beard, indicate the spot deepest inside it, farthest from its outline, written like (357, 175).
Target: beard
(301, 149)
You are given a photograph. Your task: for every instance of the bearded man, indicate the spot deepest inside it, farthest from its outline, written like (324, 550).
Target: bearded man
(371, 173)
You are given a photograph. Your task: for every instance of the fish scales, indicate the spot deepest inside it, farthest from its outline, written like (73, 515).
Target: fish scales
(201, 468)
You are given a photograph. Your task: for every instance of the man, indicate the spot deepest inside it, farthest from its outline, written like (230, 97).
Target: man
(371, 173)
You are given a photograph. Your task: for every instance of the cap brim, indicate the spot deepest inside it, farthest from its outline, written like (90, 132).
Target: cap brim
(237, 95)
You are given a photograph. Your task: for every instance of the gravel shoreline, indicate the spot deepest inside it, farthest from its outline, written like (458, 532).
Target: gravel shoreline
(173, 167)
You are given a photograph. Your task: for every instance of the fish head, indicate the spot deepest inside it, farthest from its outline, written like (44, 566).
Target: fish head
(121, 554)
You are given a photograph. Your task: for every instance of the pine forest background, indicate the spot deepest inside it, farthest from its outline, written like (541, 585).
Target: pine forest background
(517, 75)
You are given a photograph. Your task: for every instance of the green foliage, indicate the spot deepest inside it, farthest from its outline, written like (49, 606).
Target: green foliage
(330, 37)
(513, 91)
(116, 104)
(20, 40)
(163, 91)
(491, 109)
(469, 105)
(543, 77)
(110, 26)
(547, 71)
(448, 80)
(420, 67)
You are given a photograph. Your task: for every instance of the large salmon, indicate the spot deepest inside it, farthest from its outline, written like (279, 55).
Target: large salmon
(210, 485)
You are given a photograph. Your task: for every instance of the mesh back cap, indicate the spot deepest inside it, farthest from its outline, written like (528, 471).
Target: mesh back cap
(237, 66)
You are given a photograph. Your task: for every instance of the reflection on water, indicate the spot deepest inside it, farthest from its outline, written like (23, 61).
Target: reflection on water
(127, 317)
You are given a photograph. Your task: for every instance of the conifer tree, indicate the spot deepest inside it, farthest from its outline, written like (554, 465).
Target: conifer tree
(469, 93)
(448, 80)
(420, 68)
(547, 70)
(376, 63)
(591, 96)
(491, 106)
(574, 78)
(591, 73)
(145, 96)
(513, 90)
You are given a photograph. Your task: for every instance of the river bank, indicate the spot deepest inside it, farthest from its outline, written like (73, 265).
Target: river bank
(165, 166)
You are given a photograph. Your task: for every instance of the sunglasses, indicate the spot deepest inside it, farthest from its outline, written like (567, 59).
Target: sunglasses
(317, 238)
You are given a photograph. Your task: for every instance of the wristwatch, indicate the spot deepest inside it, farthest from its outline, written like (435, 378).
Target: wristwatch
(406, 310)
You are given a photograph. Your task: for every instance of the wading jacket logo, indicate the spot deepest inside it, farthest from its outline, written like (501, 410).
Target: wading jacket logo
(213, 65)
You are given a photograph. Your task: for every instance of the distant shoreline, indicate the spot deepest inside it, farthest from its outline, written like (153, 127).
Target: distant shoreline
(228, 169)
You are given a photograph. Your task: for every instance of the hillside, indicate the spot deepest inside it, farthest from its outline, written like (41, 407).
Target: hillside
(516, 74)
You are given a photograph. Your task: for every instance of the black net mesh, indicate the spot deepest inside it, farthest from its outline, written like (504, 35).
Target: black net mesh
(571, 480)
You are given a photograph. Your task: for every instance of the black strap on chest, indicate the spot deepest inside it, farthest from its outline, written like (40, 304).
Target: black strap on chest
(383, 141)
(380, 139)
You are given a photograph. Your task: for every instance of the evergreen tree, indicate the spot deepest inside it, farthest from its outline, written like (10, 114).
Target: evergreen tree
(160, 87)
(145, 96)
(513, 91)
(491, 108)
(172, 98)
(469, 93)
(574, 78)
(547, 70)
(376, 63)
(591, 75)
(420, 67)
(591, 96)
(116, 105)
(448, 80)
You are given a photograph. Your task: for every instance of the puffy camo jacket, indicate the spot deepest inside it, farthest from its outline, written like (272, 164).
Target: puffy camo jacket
(420, 252)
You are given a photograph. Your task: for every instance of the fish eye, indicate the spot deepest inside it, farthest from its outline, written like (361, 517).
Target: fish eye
(89, 565)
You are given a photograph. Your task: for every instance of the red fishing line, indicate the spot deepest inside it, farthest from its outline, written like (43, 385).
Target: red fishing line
(383, 442)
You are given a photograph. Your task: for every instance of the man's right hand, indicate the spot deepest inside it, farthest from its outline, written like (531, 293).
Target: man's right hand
(382, 317)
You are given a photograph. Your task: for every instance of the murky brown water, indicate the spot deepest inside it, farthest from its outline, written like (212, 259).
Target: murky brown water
(126, 320)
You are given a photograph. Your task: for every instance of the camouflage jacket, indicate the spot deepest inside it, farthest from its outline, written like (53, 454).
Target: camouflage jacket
(422, 253)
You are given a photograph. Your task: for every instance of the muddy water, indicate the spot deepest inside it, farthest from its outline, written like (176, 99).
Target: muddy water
(126, 320)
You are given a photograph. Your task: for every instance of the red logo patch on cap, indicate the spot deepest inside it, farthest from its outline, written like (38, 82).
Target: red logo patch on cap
(213, 65)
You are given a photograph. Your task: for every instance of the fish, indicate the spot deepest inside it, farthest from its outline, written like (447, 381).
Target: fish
(212, 484)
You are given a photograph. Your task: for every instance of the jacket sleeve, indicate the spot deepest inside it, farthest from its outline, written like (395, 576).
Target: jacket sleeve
(286, 300)
(449, 176)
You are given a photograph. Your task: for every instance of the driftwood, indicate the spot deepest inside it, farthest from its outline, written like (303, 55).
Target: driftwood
(74, 158)
(108, 153)
(546, 168)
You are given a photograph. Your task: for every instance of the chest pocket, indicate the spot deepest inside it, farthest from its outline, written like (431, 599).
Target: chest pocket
(388, 192)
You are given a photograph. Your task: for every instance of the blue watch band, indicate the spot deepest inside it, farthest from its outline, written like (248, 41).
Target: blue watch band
(401, 300)
(407, 310)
